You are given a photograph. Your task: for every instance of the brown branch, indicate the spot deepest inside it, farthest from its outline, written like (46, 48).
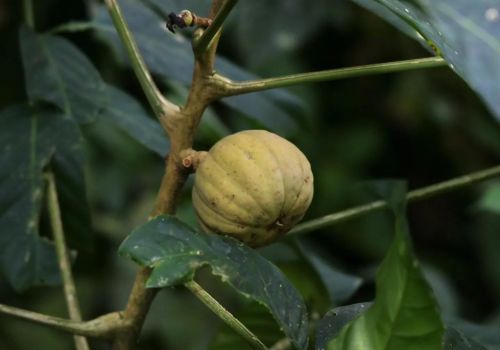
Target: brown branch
(180, 126)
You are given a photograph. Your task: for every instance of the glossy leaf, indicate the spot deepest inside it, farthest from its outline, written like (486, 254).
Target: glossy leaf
(58, 72)
(404, 314)
(466, 34)
(334, 320)
(388, 11)
(174, 251)
(126, 112)
(472, 31)
(30, 138)
(171, 57)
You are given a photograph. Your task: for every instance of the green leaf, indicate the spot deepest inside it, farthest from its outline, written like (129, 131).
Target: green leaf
(29, 139)
(257, 319)
(58, 72)
(389, 11)
(334, 320)
(128, 114)
(68, 164)
(466, 34)
(472, 32)
(404, 314)
(174, 251)
(171, 57)
(456, 340)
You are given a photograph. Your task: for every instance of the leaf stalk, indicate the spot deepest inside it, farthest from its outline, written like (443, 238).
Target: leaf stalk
(64, 259)
(228, 87)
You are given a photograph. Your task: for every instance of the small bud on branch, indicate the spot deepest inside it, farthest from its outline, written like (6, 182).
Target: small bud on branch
(186, 18)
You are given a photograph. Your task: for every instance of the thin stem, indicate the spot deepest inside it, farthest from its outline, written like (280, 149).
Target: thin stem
(29, 13)
(225, 315)
(203, 43)
(231, 88)
(64, 259)
(161, 106)
(103, 327)
(412, 196)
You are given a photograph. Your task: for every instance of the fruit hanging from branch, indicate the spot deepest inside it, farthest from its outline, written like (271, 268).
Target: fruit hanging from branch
(254, 186)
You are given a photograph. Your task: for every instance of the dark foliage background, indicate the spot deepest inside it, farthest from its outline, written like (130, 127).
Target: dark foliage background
(423, 126)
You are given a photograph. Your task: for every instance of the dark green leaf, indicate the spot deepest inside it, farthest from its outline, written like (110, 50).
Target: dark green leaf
(174, 251)
(68, 163)
(404, 314)
(29, 139)
(456, 340)
(390, 14)
(334, 320)
(472, 32)
(129, 115)
(171, 57)
(58, 72)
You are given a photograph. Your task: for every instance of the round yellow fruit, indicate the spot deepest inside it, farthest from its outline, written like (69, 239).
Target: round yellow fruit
(254, 186)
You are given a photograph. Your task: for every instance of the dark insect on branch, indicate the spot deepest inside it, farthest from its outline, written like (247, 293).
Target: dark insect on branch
(184, 19)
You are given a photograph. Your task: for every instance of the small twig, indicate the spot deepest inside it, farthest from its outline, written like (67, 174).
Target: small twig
(106, 326)
(412, 196)
(161, 106)
(203, 43)
(228, 87)
(64, 259)
(225, 315)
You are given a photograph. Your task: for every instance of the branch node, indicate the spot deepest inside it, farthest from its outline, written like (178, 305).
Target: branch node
(186, 18)
(191, 159)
